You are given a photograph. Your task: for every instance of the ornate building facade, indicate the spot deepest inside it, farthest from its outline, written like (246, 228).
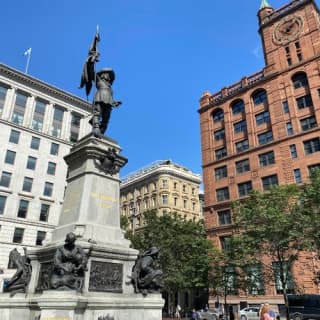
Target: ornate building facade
(39, 124)
(264, 130)
(164, 186)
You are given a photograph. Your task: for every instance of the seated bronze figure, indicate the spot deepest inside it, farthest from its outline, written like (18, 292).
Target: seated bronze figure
(145, 278)
(70, 263)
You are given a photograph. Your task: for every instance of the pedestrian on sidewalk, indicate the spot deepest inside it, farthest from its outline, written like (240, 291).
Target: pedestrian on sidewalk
(195, 315)
(177, 313)
(231, 314)
(264, 312)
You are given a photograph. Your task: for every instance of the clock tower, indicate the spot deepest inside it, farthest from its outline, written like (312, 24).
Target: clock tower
(290, 34)
(261, 131)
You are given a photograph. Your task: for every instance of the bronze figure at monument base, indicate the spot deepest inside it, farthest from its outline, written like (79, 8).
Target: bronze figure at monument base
(144, 277)
(69, 265)
(20, 280)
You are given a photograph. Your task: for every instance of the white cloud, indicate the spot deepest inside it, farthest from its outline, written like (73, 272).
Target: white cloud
(256, 51)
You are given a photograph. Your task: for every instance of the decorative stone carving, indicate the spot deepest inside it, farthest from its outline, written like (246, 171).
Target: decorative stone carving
(112, 162)
(45, 273)
(105, 276)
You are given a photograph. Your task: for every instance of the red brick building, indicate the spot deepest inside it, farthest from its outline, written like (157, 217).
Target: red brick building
(265, 129)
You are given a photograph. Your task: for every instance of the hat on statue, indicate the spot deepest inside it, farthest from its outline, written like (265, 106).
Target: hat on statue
(152, 251)
(109, 71)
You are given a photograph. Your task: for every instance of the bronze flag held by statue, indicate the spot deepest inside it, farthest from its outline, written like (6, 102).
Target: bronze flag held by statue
(103, 99)
(88, 72)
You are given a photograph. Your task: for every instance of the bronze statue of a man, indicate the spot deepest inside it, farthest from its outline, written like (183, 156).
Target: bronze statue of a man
(103, 100)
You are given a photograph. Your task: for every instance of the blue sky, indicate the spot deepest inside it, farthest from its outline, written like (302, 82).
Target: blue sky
(165, 54)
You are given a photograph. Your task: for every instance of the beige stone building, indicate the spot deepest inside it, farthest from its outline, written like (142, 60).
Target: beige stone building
(164, 186)
(39, 124)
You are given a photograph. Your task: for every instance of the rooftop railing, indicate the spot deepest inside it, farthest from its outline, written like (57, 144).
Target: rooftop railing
(282, 10)
(236, 87)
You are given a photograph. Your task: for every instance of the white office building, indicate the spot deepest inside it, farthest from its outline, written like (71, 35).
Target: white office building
(38, 125)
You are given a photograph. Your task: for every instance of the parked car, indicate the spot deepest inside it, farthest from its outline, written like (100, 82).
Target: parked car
(209, 315)
(249, 313)
(252, 313)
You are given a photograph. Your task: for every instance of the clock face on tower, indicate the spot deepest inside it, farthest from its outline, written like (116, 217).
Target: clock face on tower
(287, 29)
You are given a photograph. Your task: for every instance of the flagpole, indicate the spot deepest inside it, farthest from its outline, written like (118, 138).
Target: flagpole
(28, 60)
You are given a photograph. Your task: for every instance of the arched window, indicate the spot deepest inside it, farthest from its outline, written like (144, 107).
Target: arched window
(218, 115)
(299, 80)
(259, 97)
(237, 107)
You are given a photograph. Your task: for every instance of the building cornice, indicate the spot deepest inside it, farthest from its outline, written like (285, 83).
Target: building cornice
(247, 83)
(43, 87)
(162, 170)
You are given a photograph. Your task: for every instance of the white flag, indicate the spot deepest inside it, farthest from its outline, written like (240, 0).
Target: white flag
(27, 52)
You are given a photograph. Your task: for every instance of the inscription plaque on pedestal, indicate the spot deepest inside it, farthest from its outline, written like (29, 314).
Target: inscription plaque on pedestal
(105, 276)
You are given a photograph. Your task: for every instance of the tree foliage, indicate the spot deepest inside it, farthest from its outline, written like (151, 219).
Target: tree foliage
(224, 278)
(311, 211)
(269, 228)
(124, 222)
(184, 249)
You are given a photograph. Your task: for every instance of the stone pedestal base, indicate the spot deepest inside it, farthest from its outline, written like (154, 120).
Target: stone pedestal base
(60, 305)
(70, 305)
(16, 308)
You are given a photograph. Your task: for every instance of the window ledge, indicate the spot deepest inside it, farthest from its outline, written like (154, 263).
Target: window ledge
(26, 194)
(49, 199)
(6, 190)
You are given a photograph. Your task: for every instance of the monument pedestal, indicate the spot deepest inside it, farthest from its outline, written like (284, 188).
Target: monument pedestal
(91, 206)
(58, 305)
(62, 305)
(91, 211)
(16, 308)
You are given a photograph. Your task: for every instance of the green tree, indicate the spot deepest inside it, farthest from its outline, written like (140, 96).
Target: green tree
(268, 232)
(124, 222)
(230, 273)
(184, 249)
(311, 211)
(224, 276)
